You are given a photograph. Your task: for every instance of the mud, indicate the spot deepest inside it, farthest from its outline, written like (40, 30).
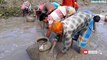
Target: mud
(16, 35)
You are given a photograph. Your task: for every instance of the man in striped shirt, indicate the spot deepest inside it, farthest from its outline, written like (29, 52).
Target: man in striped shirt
(71, 25)
(57, 14)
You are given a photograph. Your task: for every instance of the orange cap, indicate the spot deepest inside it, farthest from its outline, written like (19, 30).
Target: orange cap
(57, 26)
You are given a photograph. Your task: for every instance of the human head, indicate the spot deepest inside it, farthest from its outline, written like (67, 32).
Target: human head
(36, 8)
(57, 27)
(43, 17)
(37, 11)
(96, 18)
(24, 10)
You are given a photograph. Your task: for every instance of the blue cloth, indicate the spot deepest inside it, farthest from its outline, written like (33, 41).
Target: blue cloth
(56, 4)
(87, 34)
(77, 34)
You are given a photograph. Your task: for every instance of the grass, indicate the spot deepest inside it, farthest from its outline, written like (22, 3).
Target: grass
(6, 12)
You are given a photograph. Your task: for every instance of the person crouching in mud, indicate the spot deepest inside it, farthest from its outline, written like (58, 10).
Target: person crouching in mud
(58, 14)
(46, 8)
(68, 27)
(26, 8)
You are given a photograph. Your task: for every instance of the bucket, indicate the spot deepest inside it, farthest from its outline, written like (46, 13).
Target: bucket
(43, 44)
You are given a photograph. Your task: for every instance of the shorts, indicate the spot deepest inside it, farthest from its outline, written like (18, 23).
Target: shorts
(25, 11)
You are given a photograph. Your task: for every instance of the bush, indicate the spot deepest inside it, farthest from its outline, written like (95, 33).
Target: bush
(10, 11)
(2, 2)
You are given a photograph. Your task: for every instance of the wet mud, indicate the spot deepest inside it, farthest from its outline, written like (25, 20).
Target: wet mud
(16, 35)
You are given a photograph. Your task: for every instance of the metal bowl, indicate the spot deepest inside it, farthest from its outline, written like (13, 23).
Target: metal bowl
(44, 44)
(30, 18)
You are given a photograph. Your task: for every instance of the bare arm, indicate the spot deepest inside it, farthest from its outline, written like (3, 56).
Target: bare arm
(49, 31)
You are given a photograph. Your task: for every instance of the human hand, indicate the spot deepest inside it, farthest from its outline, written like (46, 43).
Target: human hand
(81, 38)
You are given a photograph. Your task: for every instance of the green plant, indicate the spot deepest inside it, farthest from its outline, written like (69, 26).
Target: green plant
(10, 11)
(2, 1)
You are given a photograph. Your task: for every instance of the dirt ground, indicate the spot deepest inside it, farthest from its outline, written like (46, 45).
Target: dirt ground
(16, 35)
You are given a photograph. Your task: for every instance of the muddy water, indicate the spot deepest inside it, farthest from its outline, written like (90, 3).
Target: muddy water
(16, 35)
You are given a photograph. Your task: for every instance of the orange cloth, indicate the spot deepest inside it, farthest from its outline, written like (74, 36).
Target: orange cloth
(68, 2)
(76, 5)
(57, 26)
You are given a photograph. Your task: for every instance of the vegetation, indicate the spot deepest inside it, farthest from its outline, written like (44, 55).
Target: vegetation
(6, 12)
(2, 1)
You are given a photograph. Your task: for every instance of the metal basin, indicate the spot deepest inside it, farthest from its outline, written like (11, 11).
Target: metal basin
(44, 44)
(30, 19)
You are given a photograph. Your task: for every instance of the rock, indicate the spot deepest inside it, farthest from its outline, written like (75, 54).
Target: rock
(33, 51)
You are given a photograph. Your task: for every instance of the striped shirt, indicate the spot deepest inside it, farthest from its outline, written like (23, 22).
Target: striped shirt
(59, 13)
(73, 24)
(27, 5)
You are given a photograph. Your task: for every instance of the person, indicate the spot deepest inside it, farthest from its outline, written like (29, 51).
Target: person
(72, 3)
(77, 23)
(45, 8)
(26, 8)
(58, 14)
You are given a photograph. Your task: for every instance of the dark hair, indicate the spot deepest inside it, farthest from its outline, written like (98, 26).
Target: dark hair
(96, 18)
(38, 13)
(42, 16)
